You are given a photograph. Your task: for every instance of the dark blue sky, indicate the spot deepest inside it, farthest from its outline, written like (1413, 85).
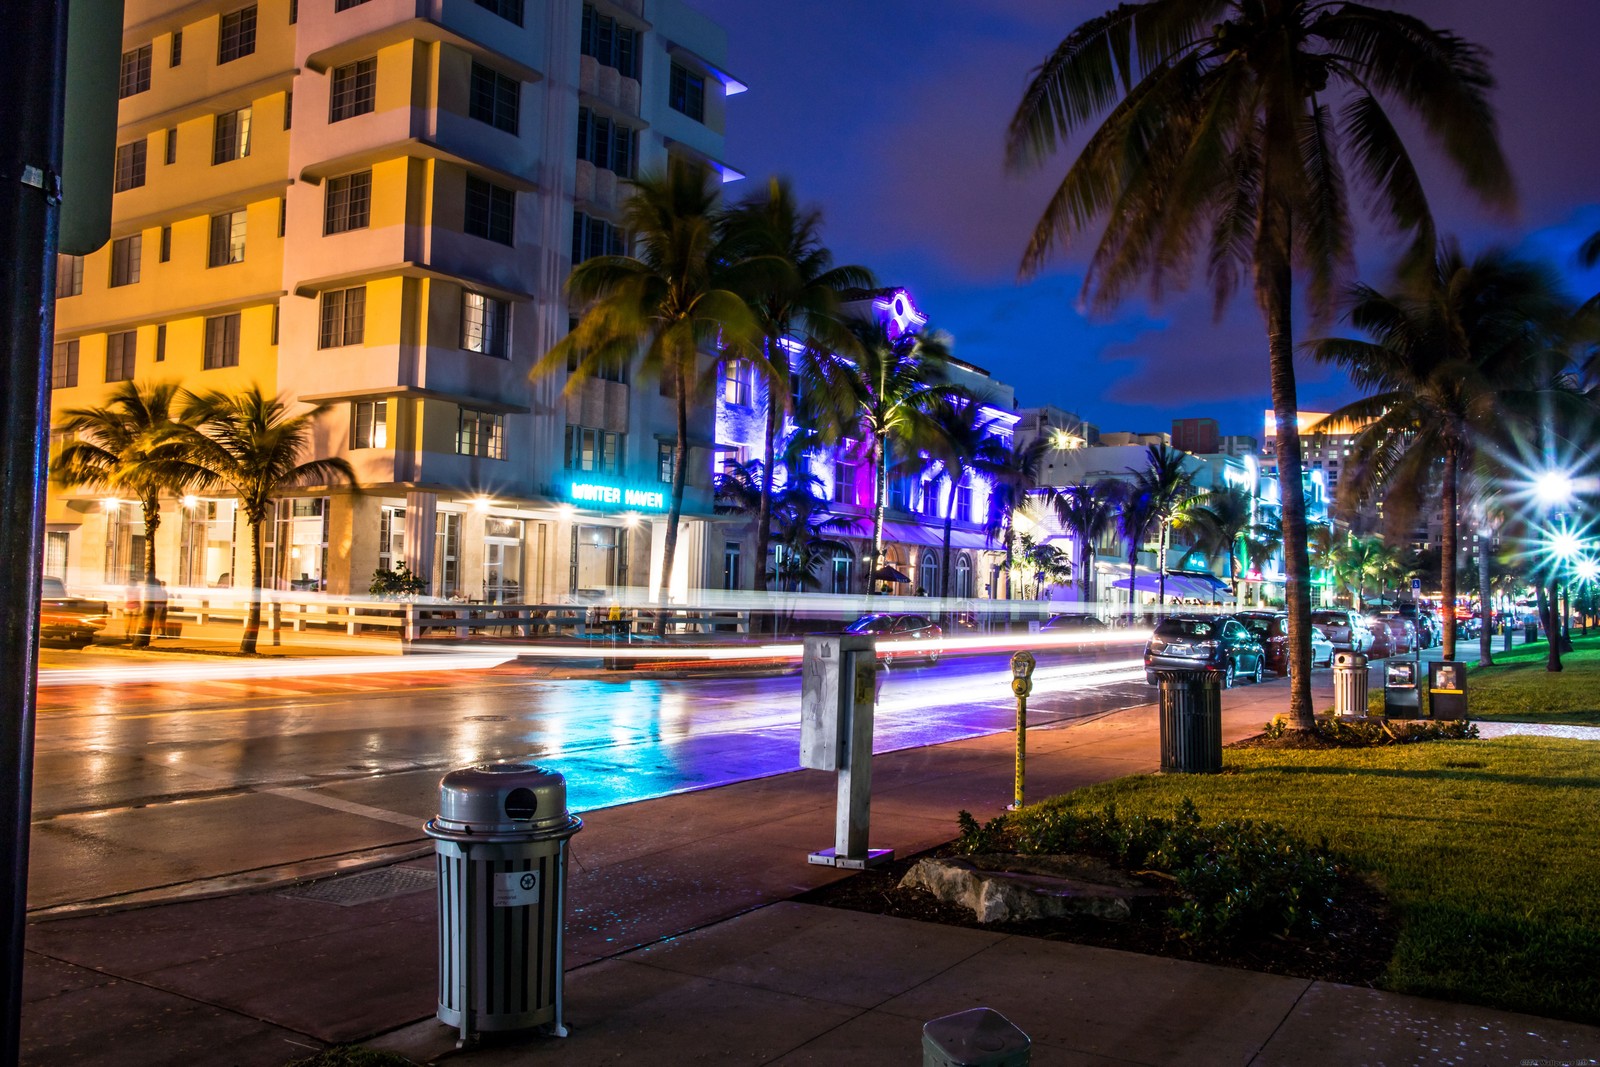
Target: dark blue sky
(890, 115)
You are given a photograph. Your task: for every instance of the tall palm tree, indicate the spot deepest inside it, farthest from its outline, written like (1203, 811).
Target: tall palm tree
(1136, 518)
(788, 277)
(880, 394)
(1228, 128)
(662, 308)
(1457, 353)
(1169, 486)
(1224, 517)
(1013, 487)
(1086, 511)
(962, 442)
(248, 444)
(131, 444)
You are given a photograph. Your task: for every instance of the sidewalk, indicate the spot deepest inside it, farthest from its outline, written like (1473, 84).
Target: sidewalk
(683, 946)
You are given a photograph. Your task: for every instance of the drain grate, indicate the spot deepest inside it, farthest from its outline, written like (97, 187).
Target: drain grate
(367, 887)
(488, 718)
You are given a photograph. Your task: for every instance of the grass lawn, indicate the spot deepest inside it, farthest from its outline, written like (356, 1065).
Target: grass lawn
(1485, 848)
(1518, 688)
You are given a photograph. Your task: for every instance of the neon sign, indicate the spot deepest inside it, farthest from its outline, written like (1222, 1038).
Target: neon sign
(617, 495)
(901, 313)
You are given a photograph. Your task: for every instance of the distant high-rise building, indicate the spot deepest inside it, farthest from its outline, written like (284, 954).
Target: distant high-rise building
(1198, 436)
(1237, 444)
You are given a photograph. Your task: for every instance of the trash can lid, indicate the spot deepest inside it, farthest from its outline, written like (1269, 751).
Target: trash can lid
(976, 1036)
(494, 798)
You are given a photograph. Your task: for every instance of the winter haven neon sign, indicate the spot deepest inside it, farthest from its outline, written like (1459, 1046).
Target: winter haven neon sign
(619, 495)
(901, 313)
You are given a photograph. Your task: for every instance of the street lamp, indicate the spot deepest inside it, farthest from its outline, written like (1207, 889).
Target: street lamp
(1552, 488)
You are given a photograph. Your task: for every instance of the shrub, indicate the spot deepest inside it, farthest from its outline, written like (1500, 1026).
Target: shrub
(1365, 733)
(1237, 878)
(398, 584)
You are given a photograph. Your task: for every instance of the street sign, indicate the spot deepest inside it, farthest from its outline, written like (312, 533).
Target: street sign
(1416, 587)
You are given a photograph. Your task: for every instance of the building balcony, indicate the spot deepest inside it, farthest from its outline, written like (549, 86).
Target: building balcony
(328, 38)
(606, 87)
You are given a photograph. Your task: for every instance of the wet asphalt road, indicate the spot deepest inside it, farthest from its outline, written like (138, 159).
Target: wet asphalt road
(145, 786)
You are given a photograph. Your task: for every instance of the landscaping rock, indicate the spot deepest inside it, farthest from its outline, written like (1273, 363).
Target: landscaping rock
(1020, 888)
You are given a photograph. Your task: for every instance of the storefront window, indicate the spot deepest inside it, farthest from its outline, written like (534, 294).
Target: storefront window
(391, 538)
(502, 561)
(596, 554)
(843, 564)
(930, 574)
(302, 544)
(730, 565)
(447, 554)
(207, 551)
(124, 546)
(963, 576)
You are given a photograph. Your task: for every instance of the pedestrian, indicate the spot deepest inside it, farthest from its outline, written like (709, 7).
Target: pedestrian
(132, 608)
(159, 597)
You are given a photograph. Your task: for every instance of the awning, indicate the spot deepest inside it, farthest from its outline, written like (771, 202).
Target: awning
(914, 533)
(1195, 586)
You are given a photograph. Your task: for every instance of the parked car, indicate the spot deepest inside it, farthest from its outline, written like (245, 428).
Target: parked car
(1321, 648)
(897, 627)
(1091, 628)
(68, 618)
(1429, 631)
(1402, 632)
(1219, 642)
(1346, 629)
(1271, 628)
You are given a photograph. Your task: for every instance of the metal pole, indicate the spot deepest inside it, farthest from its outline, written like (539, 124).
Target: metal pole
(1022, 744)
(33, 52)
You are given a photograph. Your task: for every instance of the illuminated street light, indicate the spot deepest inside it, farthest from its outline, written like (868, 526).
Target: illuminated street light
(1553, 488)
(1587, 570)
(1565, 545)
(191, 501)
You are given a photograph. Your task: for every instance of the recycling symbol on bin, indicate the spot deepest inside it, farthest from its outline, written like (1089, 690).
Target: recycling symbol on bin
(529, 881)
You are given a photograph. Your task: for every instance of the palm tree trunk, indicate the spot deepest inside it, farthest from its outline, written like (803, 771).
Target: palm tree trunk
(1447, 555)
(1485, 613)
(1083, 570)
(944, 561)
(1547, 616)
(1133, 584)
(147, 609)
(1010, 552)
(880, 476)
(764, 510)
(1274, 291)
(1161, 570)
(252, 620)
(680, 473)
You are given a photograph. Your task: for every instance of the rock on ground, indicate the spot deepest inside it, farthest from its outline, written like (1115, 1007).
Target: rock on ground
(1020, 888)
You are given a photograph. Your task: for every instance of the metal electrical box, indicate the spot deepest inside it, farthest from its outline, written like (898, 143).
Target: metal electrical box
(838, 677)
(1401, 694)
(1447, 689)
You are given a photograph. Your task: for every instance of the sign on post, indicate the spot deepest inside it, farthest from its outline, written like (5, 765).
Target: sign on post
(838, 687)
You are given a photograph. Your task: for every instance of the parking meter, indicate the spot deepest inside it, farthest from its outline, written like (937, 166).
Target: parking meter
(1022, 664)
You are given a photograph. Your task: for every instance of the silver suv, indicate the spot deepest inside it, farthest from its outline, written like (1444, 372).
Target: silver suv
(1346, 629)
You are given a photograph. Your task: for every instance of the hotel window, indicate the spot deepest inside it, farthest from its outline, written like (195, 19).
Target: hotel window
(227, 238)
(354, 90)
(730, 565)
(490, 210)
(288, 109)
(447, 542)
(161, 343)
(230, 138)
(346, 5)
(369, 425)
(844, 481)
(130, 165)
(171, 155)
(596, 237)
(510, 10)
(176, 56)
(687, 92)
(222, 342)
(494, 98)
(64, 367)
(164, 253)
(589, 449)
(609, 42)
(294, 11)
(69, 276)
(481, 433)
(348, 203)
(483, 324)
(391, 537)
(344, 317)
(135, 72)
(964, 501)
(272, 339)
(606, 144)
(666, 460)
(236, 37)
(736, 382)
(120, 349)
(126, 256)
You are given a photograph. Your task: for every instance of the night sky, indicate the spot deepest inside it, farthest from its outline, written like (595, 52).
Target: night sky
(890, 115)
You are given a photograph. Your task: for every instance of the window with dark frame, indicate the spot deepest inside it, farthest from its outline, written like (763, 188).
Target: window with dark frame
(591, 449)
(64, 366)
(510, 10)
(354, 89)
(369, 424)
(490, 211)
(129, 167)
(231, 136)
(494, 98)
(666, 460)
(609, 42)
(346, 5)
(221, 342)
(127, 254)
(69, 276)
(484, 322)
(120, 354)
(236, 35)
(686, 92)
(227, 238)
(288, 109)
(593, 236)
(607, 144)
(171, 155)
(161, 342)
(175, 57)
(343, 317)
(164, 254)
(135, 75)
(481, 433)
(347, 203)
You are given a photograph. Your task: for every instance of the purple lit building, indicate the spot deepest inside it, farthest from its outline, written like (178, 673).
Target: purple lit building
(842, 479)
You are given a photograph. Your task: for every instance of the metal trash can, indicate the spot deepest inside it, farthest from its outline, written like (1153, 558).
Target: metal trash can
(1530, 631)
(979, 1037)
(1349, 684)
(500, 841)
(1191, 720)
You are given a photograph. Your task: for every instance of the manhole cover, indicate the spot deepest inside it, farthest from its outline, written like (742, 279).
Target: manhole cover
(366, 887)
(488, 718)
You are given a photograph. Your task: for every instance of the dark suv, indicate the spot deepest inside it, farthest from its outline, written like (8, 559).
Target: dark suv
(1218, 642)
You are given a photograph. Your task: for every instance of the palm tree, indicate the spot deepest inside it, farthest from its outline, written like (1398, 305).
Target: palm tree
(789, 280)
(1136, 518)
(803, 524)
(1168, 485)
(1220, 138)
(1087, 512)
(962, 441)
(1013, 482)
(661, 308)
(1457, 353)
(131, 444)
(880, 394)
(1224, 517)
(249, 444)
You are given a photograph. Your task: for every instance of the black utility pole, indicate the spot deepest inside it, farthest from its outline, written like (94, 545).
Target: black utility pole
(33, 54)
